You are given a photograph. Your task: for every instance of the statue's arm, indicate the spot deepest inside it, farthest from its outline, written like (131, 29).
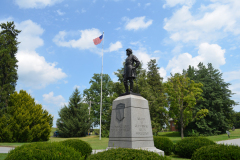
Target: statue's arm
(136, 61)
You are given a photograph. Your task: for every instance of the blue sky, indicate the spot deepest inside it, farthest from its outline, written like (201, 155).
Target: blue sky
(57, 53)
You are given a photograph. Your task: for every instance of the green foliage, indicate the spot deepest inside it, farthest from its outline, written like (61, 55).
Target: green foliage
(44, 150)
(187, 146)
(163, 143)
(5, 133)
(27, 122)
(74, 120)
(79, 145)
(8, 63)
(236, 119)
(157, 99)
(217, 152)
(183, 94)
(192, 134)
(93, 94)
(128, 154)
(216, 99)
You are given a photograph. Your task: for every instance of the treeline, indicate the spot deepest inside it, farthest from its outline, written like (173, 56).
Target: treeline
(198, 100)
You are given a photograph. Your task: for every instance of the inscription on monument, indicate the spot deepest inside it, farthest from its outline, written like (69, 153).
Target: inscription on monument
(120, 111)
(124, 128)
(141, 128)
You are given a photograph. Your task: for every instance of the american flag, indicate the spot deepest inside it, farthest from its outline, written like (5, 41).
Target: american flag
(98, 40)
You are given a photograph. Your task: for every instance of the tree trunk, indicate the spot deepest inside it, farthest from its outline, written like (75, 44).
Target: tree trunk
(181, 122)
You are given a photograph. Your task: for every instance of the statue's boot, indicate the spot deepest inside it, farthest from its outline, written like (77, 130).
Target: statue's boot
(126, 88)
(131, 86)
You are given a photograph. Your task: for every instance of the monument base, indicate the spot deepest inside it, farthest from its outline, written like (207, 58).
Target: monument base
(131, 124)
(150, 149)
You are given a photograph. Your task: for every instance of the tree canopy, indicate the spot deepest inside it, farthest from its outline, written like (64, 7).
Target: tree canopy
(182, 94)
(216, 98)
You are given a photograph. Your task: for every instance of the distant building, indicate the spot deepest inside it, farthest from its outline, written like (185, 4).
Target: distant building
(172, 126)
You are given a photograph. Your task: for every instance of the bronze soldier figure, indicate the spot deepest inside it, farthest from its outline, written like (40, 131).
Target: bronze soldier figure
(130, 70)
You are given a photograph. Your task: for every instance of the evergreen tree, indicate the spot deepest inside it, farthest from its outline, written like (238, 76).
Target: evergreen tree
(8, 63)
(156, 97)
(28, 122)
(93, 94)
(216, 98)
(74, 120)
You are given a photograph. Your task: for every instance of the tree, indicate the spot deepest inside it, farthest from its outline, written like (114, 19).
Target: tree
(216, 98)
(8, 63)
(28, 122)
(236, 119)
(93, 94)
(182, 94)
(74, 120)
(156, 97)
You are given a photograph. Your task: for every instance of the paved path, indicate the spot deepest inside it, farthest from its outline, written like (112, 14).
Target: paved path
(232, 141)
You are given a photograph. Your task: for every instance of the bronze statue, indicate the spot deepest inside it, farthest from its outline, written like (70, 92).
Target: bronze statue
(130, 70)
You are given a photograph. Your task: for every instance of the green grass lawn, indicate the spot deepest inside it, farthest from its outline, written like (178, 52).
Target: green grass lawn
(95, 143)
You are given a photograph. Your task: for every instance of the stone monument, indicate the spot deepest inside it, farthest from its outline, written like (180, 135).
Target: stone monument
(130, 122)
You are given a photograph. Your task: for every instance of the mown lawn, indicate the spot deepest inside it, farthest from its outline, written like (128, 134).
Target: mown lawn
(95, 143)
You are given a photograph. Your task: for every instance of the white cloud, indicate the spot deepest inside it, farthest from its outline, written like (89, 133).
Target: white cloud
(29, 36)
(36, 3)
(207, 53)
(137, 23)
(177, 49)
(233, 75)
(84, 42)
(157, 51)
(210, 23)
(60, 13)
(33, 70)
(172, 3)
(142, 56)
(128, 9)
(163, 73)
(57, 100)
(115, 46)
(118, 28)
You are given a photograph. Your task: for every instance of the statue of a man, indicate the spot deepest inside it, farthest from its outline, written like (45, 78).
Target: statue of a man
(130, 70)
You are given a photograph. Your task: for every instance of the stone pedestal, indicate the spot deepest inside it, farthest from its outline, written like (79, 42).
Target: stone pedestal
(131, 124)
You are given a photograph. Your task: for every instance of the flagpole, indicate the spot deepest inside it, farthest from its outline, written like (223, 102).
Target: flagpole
(101, 91)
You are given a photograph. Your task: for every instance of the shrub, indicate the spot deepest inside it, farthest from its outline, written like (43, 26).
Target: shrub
(217, 152)
(26, 120)
(125, 153)
(187, 146)
(163, 143)
(193, 133)
(44, 150)
(79, 146)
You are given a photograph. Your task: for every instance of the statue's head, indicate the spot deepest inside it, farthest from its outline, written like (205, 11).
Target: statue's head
(129, 51)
